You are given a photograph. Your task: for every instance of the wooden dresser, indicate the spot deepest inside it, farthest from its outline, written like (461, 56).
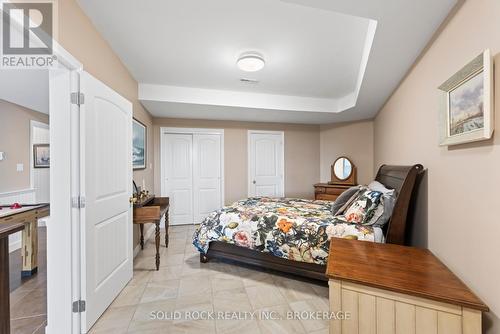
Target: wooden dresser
(385, 288)
(328, 192)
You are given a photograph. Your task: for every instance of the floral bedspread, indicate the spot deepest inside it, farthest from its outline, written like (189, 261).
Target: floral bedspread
(295, 229)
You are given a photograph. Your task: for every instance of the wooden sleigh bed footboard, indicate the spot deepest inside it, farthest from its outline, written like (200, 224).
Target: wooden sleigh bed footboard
(404, 179)
(222, 250)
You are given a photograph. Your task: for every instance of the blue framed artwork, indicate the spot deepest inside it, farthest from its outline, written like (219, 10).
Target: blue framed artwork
(138, 145)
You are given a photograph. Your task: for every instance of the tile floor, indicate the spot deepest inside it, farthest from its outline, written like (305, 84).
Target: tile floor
(28, 297)
(184, 284)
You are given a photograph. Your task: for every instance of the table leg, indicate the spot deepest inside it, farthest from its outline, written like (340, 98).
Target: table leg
(157, 242)
(4, 286)
(29, 249)
(141, 228)
(166, 229)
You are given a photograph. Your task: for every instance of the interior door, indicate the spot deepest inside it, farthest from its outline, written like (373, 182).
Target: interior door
(106, 184)
(207, 174)
(178, 175)
(266, 164)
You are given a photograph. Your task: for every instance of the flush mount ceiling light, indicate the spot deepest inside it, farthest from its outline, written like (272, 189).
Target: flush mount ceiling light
(251, 62)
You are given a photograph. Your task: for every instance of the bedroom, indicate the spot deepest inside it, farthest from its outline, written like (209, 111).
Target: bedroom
(178, 64)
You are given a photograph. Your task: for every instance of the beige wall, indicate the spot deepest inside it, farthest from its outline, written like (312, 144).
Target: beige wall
(353, 140)
(461, 199)
(15, 143)
(79, 37)
(301, 154)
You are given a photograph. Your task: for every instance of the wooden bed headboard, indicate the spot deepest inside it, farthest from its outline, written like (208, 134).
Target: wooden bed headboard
(403, 179)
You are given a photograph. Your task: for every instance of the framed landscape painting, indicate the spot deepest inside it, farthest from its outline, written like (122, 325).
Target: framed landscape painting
(138, 145)
(41, 156)
(466, 103)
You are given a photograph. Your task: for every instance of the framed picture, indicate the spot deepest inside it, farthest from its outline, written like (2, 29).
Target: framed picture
(466, 112)
(138, 145)
(41, 156)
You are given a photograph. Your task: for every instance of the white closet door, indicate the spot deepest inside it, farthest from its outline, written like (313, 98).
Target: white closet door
(179, 177)
(207, 173)
(266, 164)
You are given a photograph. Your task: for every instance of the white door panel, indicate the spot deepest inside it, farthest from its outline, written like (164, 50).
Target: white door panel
(267, 190)
(207, 175)
(179, 177)
(266, 164)
(106, 178)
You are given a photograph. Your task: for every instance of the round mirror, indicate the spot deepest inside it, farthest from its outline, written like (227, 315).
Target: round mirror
(342, 168)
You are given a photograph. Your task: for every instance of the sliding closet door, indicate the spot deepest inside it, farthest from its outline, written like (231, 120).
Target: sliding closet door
(207, 174)
(178, 182)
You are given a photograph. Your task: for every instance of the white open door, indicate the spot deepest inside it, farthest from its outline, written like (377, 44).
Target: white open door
(265, 163)
(106, 185)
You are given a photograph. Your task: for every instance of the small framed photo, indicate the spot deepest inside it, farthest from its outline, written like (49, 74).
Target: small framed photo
(41, 156)
(466, 112)
(138, 145)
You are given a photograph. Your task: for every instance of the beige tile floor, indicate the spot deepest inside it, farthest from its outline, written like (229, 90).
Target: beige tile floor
(184, 285)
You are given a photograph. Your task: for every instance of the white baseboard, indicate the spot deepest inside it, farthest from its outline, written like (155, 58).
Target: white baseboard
(147, 234)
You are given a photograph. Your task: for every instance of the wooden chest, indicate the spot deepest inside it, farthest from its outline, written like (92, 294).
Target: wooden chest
(391, 289)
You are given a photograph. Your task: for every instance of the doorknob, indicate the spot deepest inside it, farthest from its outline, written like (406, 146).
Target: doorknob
(254, 182)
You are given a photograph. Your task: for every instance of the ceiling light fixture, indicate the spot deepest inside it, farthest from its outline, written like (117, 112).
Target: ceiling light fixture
(251, 62)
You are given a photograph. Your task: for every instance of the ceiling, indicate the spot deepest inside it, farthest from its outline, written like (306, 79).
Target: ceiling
(326, 60)
(27, 88)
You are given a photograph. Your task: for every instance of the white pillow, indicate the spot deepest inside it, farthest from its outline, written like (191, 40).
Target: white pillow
(377, 186)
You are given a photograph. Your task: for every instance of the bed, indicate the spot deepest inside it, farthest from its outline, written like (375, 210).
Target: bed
(311, 224)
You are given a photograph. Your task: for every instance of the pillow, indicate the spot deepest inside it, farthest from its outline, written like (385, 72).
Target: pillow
(363, 207)
(345, 199)
(377, 186)
(384, 210)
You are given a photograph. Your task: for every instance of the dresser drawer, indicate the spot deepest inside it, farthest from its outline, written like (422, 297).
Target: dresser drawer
(319, 190)
(334, 191)
(326, 197)
(328, 192)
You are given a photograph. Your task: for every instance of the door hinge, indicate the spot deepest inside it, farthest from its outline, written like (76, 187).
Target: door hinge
(79, 306)
(78, 202)
(77, 98)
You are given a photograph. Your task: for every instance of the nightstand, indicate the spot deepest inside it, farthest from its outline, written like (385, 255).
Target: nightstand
(385, 288)
(329, 192)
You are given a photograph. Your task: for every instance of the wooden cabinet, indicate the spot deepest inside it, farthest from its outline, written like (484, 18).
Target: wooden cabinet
(328, 192)
(395, 289)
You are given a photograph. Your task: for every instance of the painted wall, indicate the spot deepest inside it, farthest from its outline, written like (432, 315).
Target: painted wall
(15, 143)
(301, 154)
(79, 37)
(458, 206)
(353, 140)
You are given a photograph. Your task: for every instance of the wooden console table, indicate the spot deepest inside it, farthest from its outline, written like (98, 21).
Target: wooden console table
(27, 215)
(151, 210)
(387, 288)
(6, 229)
